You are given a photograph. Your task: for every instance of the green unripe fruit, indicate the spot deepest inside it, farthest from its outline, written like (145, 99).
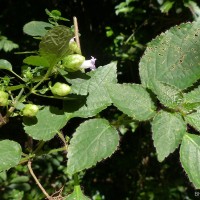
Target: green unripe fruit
(73, 62)
(30, 110)
(3, 98)
(60, 89)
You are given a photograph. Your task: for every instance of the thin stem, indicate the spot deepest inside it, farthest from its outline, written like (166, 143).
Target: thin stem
(76, 32)
(63, 140)
(76, 179)
(37, 181)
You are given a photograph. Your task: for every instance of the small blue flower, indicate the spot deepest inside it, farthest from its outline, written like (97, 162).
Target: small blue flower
(89, 64)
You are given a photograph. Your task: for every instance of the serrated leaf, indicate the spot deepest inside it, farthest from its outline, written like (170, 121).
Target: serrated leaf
(77, 194)
(55, 44)
(4, 64)
(36, 61)
(168, 95)
(173, 57)
(93, 85)
(94, 140)
(46, 124)
(189, 156)
(168, 130)
(10, 154)
(133, 100)
(194, 120)
(37, 28)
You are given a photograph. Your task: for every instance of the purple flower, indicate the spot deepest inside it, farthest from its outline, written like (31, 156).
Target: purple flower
(89, 64)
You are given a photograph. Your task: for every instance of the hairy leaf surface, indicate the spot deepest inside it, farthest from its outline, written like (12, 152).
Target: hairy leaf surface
(93, 141)
(189, 156)
(10, 154)
(133, 100)
(168, 130)
(47, 123)
(55, 44)
(173, 57)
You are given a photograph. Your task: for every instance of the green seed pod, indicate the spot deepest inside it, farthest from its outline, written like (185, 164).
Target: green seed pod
(73, 62)
(60, 89)
(3, 98)
(30, 110)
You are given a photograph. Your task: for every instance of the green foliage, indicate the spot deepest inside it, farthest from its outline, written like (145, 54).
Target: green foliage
(168, 130)
(132, 100)
(7, 45)
(167, 98)
(94, 140)
(42, 128)
(10, 154)
(189, 156)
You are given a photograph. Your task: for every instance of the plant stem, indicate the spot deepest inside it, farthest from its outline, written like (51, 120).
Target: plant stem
(37, 181)
(76, 32)
(76, 179)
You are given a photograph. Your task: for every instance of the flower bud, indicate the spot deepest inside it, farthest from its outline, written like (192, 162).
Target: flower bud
(30, 110)
(60, 89)
(3, 98)
(73, 62)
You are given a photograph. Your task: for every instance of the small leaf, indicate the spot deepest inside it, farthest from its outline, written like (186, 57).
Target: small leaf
(133, 100)
(4, 64)
(10, 154)
(94, 140)
(193, 120)
(47, 123)
(77, 194)
(168, 130)
(55, 44)
(189, 156)
(93, 85)
(37, 28)
(168, 95)
(166, 6)
(36, 61)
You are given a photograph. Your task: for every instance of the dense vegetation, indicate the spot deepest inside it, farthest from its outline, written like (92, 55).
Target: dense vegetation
(110, 31)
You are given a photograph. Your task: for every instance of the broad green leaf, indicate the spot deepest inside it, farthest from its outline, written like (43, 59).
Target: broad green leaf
(168, 130)
(169, 96)
(77, 194)
(47, 123)
(55, 44)
(10, 154)
(94, 140)
(173, 57)
(189, 156)
(93, 85)
(133, 100)
(4, 64)
(36, 61)
(37, 28)
(194, 120)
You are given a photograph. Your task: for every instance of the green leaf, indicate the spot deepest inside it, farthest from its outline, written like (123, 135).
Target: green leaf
(133, 100)
(166, 6)
(168, 130)
(77, 194)
(94, 140)
(36, 61)
(37, 28)
(189, 156)
(4, 64)
(93, 85)
(168, 95)
(173, 57)
(47, 123)
(55, 44)
(10, 154)
(193, 120)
